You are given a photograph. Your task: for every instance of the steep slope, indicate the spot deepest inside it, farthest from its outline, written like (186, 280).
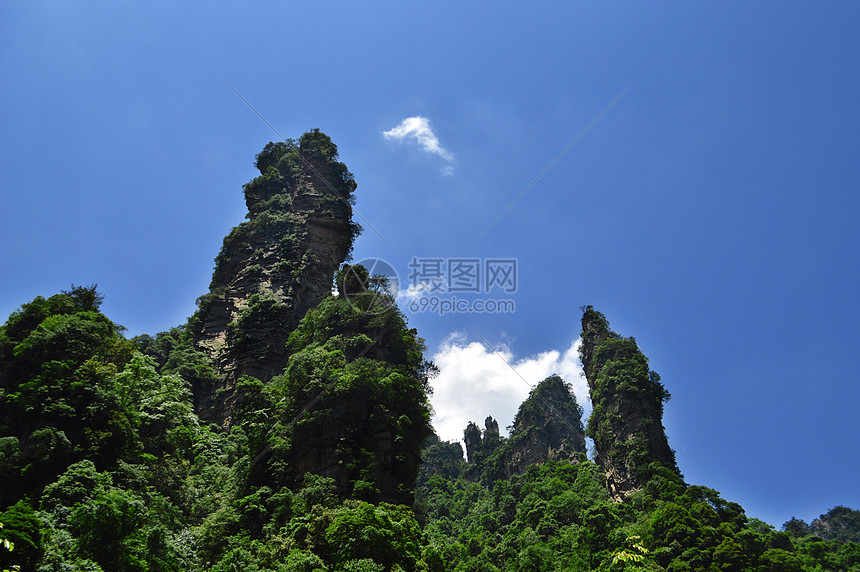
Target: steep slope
(626, 422)
(276, 266)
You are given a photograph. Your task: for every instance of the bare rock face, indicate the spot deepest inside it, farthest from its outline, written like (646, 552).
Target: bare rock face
(275, 266)
(626, 423)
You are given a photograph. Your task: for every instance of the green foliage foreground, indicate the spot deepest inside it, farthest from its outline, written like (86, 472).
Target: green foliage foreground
(106, 467)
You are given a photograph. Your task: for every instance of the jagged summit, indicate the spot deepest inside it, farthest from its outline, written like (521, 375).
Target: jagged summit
(275, 266)
(549, 420)
(548, 426)
(627, 399)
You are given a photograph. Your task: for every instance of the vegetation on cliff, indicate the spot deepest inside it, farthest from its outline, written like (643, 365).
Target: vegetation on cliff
(626, 422)
(275, 266)
(106, 466)
(351, 404)
(839, 523)
(326, 460)
(559, 516)
(548, 426)
(134, 481)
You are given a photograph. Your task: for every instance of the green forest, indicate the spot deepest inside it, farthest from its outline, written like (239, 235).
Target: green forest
(113, 457)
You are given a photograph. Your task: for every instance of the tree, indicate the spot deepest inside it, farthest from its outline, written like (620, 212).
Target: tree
(630, 556)
(57, 360)
(8, 546)
(386, 534)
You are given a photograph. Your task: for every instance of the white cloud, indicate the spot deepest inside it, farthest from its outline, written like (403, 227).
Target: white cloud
(475, 382)
(411, 293)
(418, 129)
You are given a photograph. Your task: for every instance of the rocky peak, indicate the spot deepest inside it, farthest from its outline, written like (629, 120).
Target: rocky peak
(481, 444)
(275, 266)
(472, 439)
(492, 437)
(548, 426)
(627, 397)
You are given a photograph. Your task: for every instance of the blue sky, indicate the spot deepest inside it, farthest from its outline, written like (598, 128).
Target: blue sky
(711, 212)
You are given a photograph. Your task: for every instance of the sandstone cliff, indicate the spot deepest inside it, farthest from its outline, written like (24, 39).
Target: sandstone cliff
(275, 266)
(627, 397)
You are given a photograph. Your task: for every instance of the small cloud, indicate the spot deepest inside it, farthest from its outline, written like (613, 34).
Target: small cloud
(413, 292)
(418, 129)
(474, 382)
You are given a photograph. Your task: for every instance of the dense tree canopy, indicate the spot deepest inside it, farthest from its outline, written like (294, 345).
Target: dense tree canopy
(106, 467)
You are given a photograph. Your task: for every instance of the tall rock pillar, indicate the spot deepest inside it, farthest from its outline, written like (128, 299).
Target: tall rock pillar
(275, 266)
(627, 397)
